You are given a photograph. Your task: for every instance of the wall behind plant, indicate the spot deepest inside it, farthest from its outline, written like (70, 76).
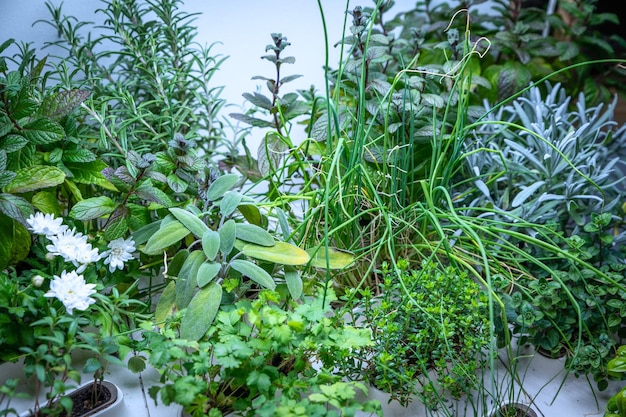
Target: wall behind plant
(242, 26)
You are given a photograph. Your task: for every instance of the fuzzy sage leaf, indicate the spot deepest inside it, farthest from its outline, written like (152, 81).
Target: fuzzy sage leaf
(281, 253)
(218, 188)
(191, 221)
(165, 237)
(201, 312)
(253, 234)
(254, 272)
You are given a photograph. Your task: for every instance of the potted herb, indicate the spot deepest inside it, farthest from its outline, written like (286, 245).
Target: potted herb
(555, 173)
(513, 409)
(94, 399)
(57, 315)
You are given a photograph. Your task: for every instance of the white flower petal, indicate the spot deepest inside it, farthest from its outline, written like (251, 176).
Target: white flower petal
(45, 224)
(71, 289)
(120, 251)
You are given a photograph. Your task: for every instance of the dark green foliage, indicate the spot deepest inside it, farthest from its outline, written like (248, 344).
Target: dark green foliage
(43, 163)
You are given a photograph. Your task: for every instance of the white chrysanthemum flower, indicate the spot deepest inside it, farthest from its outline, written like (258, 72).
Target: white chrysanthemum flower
(69, 244)
(120, 251)
(72, 290)
(45, 224)
(84, 255)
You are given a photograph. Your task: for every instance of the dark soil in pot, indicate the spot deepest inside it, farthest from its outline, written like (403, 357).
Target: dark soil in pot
(513, 410)
(87, 402)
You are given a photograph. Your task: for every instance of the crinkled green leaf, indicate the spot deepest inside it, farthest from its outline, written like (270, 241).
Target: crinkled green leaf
(6, 125)
(35, 177)
(55, 156)
(61, 103)
(78, 155)
(93, 208)
(43, 131)
(177, 184)
(15, 207)
(47, 202)
(139, 216)
(15, 242)
(90, 173)
(23, 107)
(6, 177)
(147, 192)
(116, 228)
(13, 143)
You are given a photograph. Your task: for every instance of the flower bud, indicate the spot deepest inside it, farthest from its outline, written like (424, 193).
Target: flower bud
(37, 280)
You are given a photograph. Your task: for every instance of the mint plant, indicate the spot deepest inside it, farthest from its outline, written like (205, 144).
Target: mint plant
(42, 159)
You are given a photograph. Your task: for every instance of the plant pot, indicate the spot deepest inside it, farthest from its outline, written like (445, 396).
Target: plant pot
(513, 409)
(108, 403)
